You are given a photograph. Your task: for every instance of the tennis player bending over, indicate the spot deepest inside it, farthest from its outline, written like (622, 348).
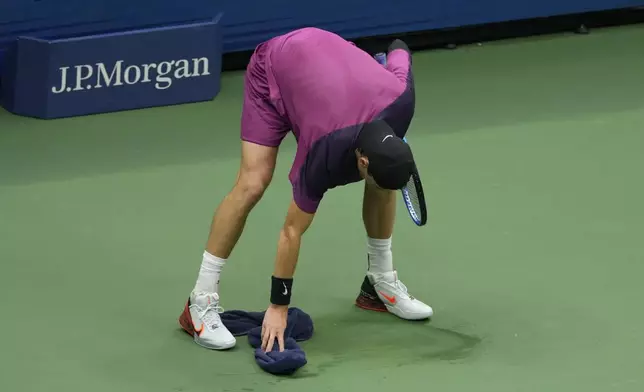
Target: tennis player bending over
(348, 114)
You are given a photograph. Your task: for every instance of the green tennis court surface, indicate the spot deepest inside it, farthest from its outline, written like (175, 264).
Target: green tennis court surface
(531, 152)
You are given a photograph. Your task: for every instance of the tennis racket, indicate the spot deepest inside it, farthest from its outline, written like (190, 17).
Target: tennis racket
(414, 198)
(412, 193)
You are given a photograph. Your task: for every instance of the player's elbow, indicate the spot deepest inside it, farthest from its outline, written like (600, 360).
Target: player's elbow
(297, 222)
(399, 44)
(290, 238)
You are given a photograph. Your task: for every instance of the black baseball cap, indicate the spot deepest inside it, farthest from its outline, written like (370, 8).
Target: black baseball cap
(391, 162)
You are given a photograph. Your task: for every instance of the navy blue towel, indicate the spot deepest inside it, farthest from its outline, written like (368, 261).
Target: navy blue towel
(299, 328)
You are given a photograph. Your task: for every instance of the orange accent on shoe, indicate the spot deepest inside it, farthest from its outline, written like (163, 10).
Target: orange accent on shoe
(185, 320)
(392, 299)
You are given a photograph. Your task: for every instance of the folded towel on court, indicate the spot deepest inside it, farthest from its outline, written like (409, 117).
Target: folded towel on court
(299, 327)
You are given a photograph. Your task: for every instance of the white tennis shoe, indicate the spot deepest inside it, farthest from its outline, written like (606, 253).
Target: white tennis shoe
(386, 293)
(200, 319)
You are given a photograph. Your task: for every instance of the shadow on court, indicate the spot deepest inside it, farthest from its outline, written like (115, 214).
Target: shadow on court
(369, 341)
(364, 341)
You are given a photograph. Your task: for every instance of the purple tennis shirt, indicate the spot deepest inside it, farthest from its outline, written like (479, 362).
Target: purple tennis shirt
(323, 89)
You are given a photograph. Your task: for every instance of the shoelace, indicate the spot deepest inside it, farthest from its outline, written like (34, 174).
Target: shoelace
(210, 315)
(401, 286)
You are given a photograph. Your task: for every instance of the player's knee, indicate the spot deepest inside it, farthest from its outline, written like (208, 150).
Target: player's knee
(251, 186)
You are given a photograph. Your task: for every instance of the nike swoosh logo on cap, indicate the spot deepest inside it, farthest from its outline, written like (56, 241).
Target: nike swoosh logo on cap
(386, 137)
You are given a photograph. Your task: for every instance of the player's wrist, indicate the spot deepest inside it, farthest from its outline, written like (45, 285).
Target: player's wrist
(281, 289)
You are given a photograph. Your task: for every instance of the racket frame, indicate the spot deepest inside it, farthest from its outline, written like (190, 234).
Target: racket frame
(418, 217)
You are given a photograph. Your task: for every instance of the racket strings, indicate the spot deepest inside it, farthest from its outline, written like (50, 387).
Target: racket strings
(412, 193)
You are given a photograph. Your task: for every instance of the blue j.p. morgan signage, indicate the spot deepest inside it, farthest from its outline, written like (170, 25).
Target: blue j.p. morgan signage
(100, 75)
(111, 72)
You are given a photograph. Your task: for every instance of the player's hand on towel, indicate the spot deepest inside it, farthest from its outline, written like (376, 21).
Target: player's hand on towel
(273, 327)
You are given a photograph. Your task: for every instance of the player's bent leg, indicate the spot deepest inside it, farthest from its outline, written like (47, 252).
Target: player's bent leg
(200, 317)
(255, 174)
(381, 289)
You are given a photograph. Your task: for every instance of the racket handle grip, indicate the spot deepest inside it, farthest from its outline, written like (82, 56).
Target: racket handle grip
(381, 58)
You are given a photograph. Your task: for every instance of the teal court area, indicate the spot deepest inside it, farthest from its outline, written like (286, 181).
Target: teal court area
(531, 152)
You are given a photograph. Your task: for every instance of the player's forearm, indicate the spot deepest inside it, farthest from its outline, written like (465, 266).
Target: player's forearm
(288, 250)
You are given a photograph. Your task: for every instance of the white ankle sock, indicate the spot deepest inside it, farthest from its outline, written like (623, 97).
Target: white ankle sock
(379, 255)
(208, 279)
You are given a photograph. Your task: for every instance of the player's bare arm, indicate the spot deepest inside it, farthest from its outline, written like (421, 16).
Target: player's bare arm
(288, 250)
(288, 247)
